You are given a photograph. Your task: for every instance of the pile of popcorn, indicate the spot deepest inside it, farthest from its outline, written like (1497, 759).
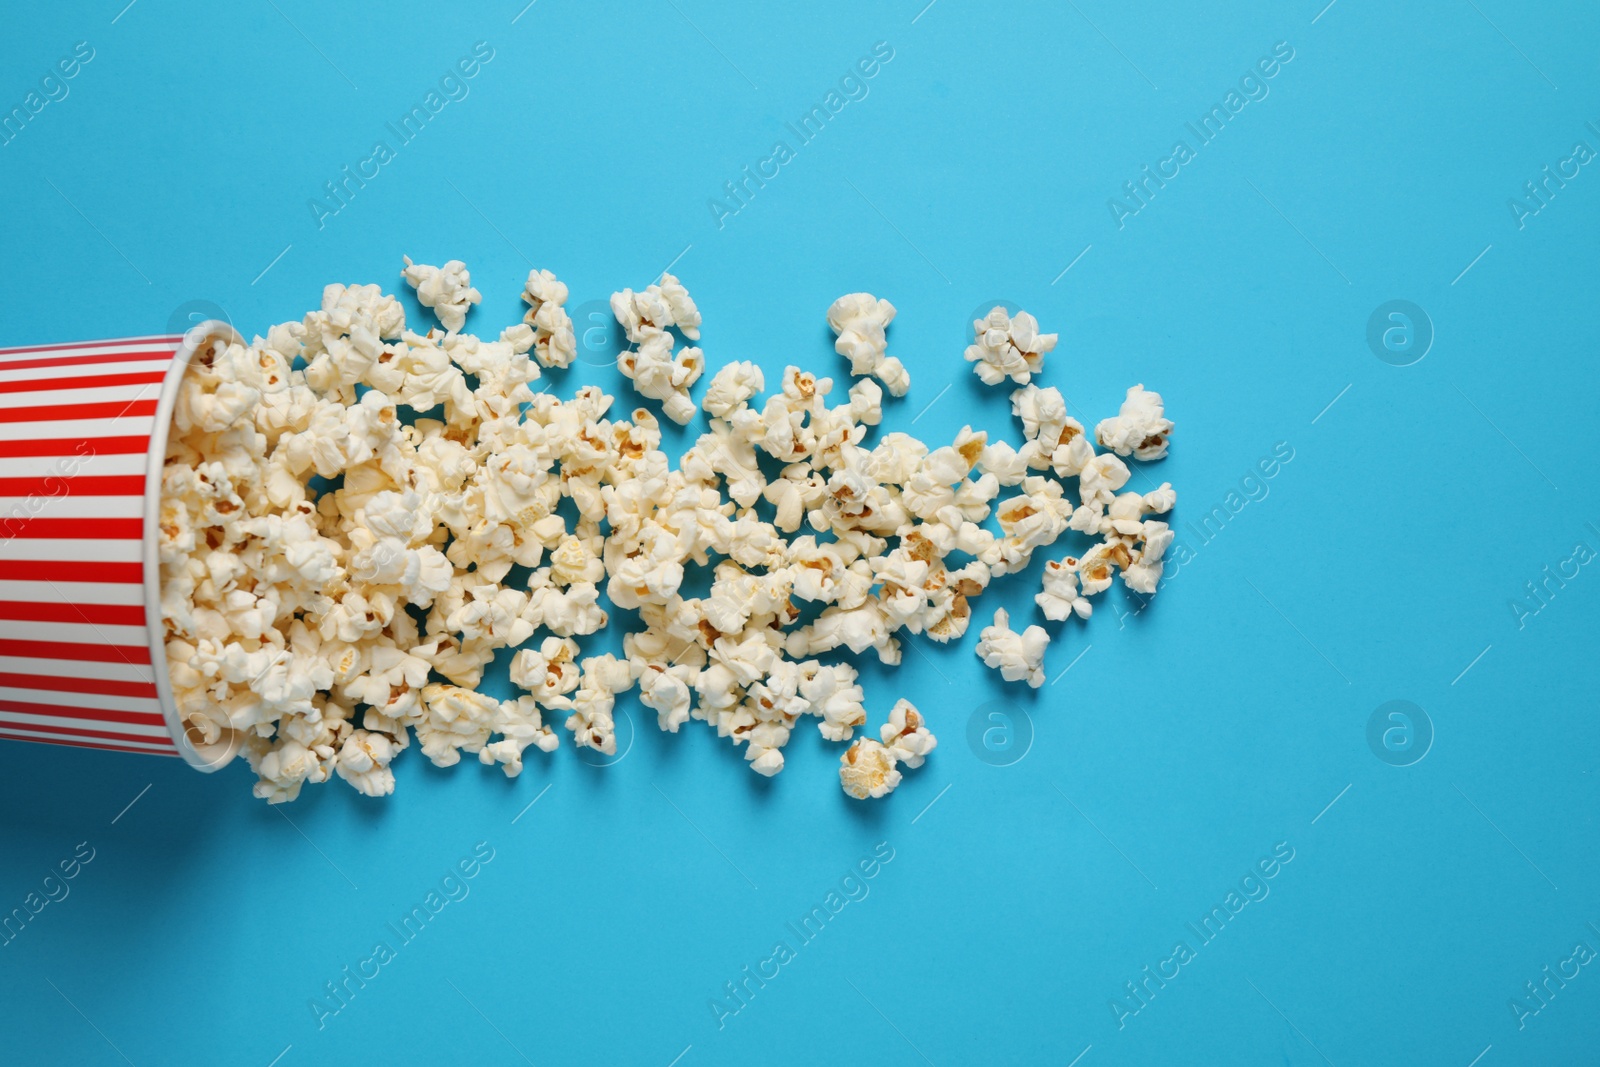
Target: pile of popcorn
(356, 518)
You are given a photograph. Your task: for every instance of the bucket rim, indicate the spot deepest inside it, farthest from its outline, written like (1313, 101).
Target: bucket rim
(212, 757)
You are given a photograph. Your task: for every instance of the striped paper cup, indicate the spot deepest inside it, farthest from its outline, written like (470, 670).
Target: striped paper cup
(83, 434)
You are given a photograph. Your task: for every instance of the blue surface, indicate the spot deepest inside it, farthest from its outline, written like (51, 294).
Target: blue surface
(1228, 719)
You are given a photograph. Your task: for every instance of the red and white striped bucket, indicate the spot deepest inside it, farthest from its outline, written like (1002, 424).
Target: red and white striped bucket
(83, 436)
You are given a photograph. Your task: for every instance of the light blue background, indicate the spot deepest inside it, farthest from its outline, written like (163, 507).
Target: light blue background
(1182, 747)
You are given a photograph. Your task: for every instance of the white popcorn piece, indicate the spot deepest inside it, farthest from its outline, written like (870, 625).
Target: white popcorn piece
(906, 734)
(1100, 479)
(447, 290)
(684, 315)
(1143, 575)
(667, 690)
(773, 705)
(354, 310)
(731, 388)
(1018, 657)
(867, 769)
(1034, 518)
(286, 766)
(656, 372)
(364, 762)
(551, 336)
(1060, 597)
(519, 724)
(660, 375)
(1007, 464)
(866, 403)
(454, 719)
(859, 320)
(1043, 412)
(836, 698)
(492, 614)
(1008, 346)
(1100, 564)
(657, 309)
(574, 610)
(591, 723)
(1161, 500)
(548, 672)
(1139, 429)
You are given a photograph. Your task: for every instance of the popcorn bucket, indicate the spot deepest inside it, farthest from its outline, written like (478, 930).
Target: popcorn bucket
(83, 435)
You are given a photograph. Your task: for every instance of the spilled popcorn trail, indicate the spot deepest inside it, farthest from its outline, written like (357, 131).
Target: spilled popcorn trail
(325, 562)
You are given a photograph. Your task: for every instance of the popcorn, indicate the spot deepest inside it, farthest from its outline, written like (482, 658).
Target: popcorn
(653, 311)
(1017, 657)
(1139, 429)
(1044, 419)
(656, 372)
(866, 403)
(591, 723)
(1098, 565)
(660, 375)
(906, 735)
(867, 769)
(493, 614)
(550, 335)
(1162, 500)
(774, 705)
(454, 719)
(519, 724)
(566, 612)
(835, 698)
(731, 388)
(1143, 575)
(548, 672)
(1032, 519)
(469, 514)
(1007, 465)
(1060, 597)
(666, 691)
(363, 761)
(286, 767)
(1008, 347)
(859, 321)
(1101, 477)
(447, 290)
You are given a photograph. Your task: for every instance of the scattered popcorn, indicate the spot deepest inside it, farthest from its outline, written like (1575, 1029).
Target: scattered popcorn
(1060, 597)
(548, 672)
(659, 307)
(1143, 575)
(548, 327)
(355, 519)
(731, 388)
(591, 724)
(660, 375)
(454, 719)
(906, 734)
(870, 769)
(835, 698)
(859, 320)
(867, 769)
(1008, 347)
(1139, 429)
(657, 372)
(447, 290)
(520, 724)
(364, 762)
(1017, 657)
